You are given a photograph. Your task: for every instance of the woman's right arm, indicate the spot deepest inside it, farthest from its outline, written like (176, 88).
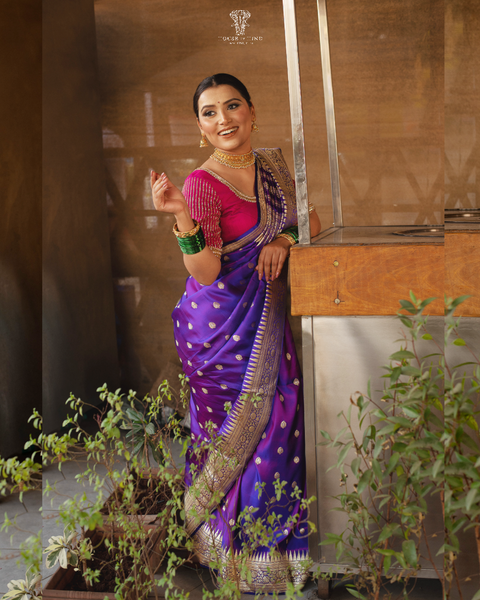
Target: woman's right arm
(203, 266)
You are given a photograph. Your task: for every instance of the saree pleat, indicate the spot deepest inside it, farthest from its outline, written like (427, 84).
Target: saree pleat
(237, 350)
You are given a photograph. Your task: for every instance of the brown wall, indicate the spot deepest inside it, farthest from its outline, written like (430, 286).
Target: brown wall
(79, 346)
(20, 232)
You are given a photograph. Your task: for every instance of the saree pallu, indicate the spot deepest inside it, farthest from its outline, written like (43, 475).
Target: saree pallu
(235, 344)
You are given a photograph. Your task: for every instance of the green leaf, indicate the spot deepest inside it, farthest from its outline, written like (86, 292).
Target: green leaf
(392, 463)
(427, 336)
(408, 306)
(388, 531)
(459, 342)
(355, 465)
(150, 429)
(402, 354)
(386, 564)
(437, 466)
(356, 593)
(377, 469)
(470, 498)
(365, 479)
(458, 301)
(343, 453)
(410, 552)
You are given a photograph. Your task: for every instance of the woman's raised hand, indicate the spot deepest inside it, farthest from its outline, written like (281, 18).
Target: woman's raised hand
(272, 258)
(166, 197)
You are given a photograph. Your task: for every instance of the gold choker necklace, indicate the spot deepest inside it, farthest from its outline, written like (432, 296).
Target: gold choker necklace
(234, 161)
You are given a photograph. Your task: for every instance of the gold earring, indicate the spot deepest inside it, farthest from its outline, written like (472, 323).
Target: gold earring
(203, 141)
(255, 128)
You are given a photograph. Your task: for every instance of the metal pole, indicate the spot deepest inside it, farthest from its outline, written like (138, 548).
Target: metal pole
(310, 432)
(298, 140)
(329, 113)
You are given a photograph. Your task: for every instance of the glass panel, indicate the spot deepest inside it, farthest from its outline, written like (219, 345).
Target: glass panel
(462, 104)
(387, 69)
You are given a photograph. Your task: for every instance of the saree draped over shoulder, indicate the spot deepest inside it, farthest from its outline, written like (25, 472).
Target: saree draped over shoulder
(237, 351)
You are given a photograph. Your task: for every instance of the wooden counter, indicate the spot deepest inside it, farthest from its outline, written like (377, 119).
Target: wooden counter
(337, 279)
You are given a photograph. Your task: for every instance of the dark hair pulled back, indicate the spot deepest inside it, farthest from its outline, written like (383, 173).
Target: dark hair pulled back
(220, 79)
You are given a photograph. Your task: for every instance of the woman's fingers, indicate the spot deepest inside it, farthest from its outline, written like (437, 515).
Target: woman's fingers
(280, 264)
(260, 266)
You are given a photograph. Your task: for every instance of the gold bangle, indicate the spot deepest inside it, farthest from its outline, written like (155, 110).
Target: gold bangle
(311, 208)
(186, 234)
(288, 237)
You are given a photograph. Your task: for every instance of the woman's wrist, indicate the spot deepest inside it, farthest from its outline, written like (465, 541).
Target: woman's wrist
(284, 241)
(184, 220)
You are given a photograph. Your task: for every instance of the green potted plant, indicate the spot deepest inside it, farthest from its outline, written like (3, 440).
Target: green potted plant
(418, 444)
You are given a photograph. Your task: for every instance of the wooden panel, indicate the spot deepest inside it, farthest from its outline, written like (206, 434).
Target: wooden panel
(369, 280)
(462, 270)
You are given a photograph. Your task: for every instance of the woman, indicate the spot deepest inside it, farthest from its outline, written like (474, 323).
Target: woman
(236, 222)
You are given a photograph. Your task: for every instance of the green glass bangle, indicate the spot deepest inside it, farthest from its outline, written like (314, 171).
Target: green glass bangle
(293, 231)
(192, 244)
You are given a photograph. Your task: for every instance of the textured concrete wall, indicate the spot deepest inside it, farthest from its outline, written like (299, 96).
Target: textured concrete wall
(20, 221)
(79, 347)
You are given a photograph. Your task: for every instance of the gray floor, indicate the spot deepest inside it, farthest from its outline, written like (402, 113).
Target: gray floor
(30, 516)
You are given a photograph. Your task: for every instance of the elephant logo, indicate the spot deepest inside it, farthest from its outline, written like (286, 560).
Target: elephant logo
(240, 20)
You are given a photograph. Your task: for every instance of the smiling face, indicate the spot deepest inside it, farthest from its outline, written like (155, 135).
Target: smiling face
(226, 119)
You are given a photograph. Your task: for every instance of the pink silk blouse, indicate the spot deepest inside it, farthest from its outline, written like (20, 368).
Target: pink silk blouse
(223, 212)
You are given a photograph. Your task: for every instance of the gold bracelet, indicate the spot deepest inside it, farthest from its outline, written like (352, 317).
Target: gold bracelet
(186, 234)
(311, 208)
(288, 237)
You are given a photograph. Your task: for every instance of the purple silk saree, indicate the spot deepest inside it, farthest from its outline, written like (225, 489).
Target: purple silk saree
(234, 342)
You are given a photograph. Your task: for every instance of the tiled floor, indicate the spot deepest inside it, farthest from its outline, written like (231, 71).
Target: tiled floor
(30, 518)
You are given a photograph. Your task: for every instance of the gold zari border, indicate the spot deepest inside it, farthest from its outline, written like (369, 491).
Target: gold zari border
(270, 573)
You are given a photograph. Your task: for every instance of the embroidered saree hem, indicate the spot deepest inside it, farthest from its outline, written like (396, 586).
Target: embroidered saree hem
(270, 572)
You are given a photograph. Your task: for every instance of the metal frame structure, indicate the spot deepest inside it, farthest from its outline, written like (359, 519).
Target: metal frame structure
(300, 172)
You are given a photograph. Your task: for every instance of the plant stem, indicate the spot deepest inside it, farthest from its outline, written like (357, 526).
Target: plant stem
(477, 536)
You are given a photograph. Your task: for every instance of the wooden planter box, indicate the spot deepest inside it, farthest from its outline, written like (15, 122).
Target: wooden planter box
(55, 588)
(149, 522)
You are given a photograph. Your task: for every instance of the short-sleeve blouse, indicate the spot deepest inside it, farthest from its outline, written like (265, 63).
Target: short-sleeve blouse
(223, 211)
